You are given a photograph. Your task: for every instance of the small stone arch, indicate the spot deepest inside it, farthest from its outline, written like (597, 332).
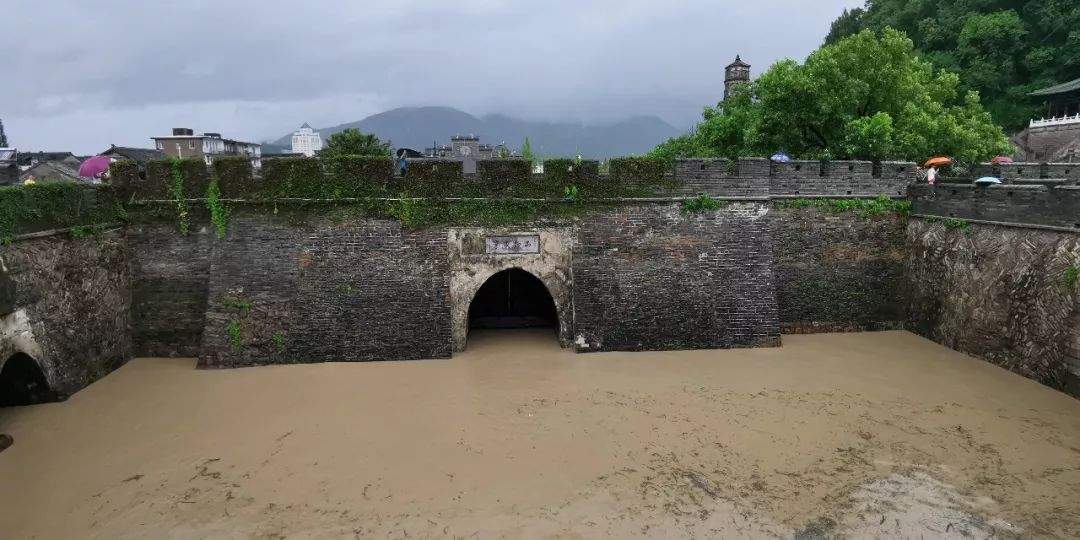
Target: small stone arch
(19, 344)
(23, 382)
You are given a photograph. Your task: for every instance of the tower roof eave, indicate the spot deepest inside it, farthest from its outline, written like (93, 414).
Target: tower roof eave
(738, 63)
(1062, 88)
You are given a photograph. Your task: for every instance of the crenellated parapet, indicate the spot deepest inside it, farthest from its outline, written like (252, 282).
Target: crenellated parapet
(1019, 202)
(632, 177)
(764, 178)
(840, 178)
(744, 177)
(1028, 171)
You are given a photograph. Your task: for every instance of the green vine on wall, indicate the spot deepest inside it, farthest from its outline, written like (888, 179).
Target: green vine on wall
(1072, 276)
(236, 335)
(237, 303)
(176, 192)
(957, 224)
(59, 205)
(420, 213)
(278, 339)
(408, 211)
(864, 208)
(96, 231)
(219, 213)
(233, 328)
(572, 194)
(701, 204)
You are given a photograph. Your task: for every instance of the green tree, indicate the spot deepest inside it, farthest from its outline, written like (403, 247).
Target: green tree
(870, 137)
(353, 142)
(849, 22)
(1004, 49)
(863, 97)
(527, 151)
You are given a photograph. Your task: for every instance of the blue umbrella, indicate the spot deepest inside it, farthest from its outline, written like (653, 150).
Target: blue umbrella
(781, 157)
(987, 180)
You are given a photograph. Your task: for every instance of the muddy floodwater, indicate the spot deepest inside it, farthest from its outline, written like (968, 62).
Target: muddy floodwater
(873, 434)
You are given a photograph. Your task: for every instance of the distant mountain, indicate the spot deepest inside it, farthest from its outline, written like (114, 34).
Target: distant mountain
(419, 127)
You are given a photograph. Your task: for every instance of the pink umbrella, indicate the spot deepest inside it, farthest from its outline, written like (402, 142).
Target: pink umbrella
(1001, 160)
(94, 167)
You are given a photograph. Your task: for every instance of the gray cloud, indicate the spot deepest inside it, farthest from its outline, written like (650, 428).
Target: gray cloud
(87, 74)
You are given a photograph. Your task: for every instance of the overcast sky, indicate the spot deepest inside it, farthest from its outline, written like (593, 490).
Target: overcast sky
(80, 75)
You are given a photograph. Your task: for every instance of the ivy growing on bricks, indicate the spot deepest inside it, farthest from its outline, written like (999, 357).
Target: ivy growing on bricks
(864, 208)
(179, 198)
(39, 207)
(433, 192)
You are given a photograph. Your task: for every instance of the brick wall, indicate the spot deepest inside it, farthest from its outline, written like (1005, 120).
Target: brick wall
(644, 276)
(1030, 203)
(302, 287)
(837, 271)
(71, 299)
(1044, 142)
(320, 291)
(756, 177)
(170, 279)
(368, 290)
(722, 177)
(840, 179)
(651, 278)
(1001, 293)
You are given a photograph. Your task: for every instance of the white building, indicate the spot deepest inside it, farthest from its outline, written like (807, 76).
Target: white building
(306, 141)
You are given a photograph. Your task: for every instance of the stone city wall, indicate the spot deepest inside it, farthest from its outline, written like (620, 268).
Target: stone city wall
(1021, 202)
(993, 271)
(652, 278)
(170, 280)
(319, 262)
(65, 285)
(316, 263)
(837, 271)
(1005, 294)
(627, 277)
(321, 290)
(1045, 141)
(65, 302)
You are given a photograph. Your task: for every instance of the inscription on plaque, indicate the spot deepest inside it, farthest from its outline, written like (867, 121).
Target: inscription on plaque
(512, 245)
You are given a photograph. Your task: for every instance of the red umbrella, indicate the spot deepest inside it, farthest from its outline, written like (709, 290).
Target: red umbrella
(940, 161)
(94, 167)
(1001, 160)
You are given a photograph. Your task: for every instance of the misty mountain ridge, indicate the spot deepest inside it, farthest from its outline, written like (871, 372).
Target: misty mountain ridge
(419, 127)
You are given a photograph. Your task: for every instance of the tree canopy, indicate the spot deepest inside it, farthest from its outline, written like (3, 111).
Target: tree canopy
(353, 142)
(867, 96)
(1002, 48)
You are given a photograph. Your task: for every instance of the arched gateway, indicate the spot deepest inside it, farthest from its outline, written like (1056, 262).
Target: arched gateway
(503, 278)
(513, 298)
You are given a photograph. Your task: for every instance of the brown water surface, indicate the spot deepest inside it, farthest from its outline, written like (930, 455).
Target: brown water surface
(861, 434)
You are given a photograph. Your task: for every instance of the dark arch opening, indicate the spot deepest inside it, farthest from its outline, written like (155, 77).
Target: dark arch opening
(23, 383)
(513, 298)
